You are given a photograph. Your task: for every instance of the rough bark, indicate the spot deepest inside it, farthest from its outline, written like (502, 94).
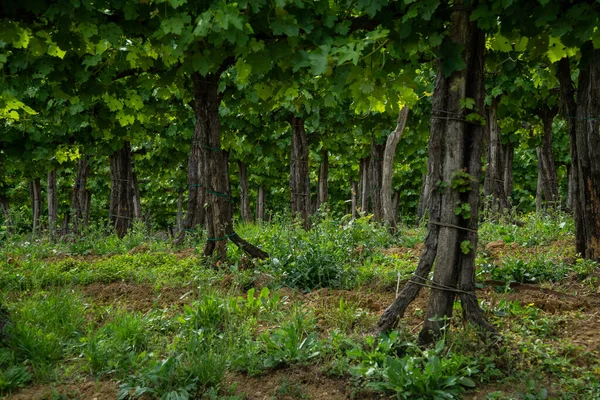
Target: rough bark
(395, 205)
(389, 213)
(494, 173)
(80, 196)
(195, 215)
(375, 179)
(52, 195)
(455, 147)
(571, 110)
(260, 203)
(353, 198)
(570, 188)
(587, 133)
(121, 191)
(364, 184)
(425, 196)
(299, 178)
(245, 197)
(35, 192)
(540, 180)
(548, 182)
(323, 187)
(214, 171)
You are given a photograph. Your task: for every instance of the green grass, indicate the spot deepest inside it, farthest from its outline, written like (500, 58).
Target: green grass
(252, 318)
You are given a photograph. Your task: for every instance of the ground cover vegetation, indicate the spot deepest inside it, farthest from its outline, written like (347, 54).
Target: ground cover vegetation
(137, 134)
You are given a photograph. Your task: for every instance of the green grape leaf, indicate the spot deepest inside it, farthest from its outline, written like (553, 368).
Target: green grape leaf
(318, 59)
(500, 43)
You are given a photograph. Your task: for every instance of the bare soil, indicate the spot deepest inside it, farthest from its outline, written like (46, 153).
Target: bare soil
(138, 297)
(89, 390)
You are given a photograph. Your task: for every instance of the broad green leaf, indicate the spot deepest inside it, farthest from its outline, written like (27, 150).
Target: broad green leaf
(177, 3)
(318, 60)
(500, 43)
(243, 71)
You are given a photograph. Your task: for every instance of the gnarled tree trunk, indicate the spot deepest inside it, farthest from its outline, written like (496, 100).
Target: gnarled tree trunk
(52, 195)
(299, 178)
(547, 170)
(364, 184)
(494, 173)
(571, 112)
(195, 215)
(587, 133)
(425, 196)
(375, 179)
(121, 191)
(260, 203)
(387, 204)
(455, 147)
(354, 198)
(80, 196)
(215, 171)
(35, 192)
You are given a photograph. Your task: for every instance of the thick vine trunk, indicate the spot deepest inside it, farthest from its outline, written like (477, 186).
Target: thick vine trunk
(548, 182)
(195, 215)
(260, 203)
(80, 196)
(214, 171)
(375, 179)
(121, 209)
(571, 112)
(494, 173)
(364, 184)
(323, 187)
(540, 180)
(588, 150)
(570, 188)
(354, 198)
(425, 196)
(387, 204)
(35, 192)
(455, 149)
(299, 178)
(508, 154)
(395, 205)
(52, 195)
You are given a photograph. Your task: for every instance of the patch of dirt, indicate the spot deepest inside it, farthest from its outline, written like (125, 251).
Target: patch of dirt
(185, 253)
(89, 390)
(584, 332)
(561, 250)
(399, 251)
(292, 383)
(373, 302)
(548, 300)
(137, 297)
